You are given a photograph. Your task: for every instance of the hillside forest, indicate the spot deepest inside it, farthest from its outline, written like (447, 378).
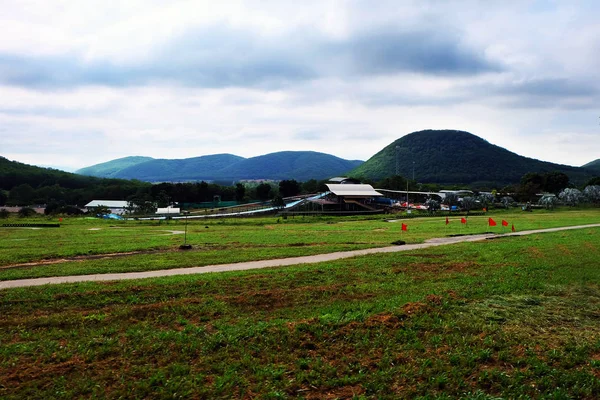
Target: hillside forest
(25, 185)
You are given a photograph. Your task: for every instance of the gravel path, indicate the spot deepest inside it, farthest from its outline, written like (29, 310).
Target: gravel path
(273, 263)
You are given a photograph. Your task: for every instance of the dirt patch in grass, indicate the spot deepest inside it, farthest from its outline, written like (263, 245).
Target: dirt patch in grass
(424, 255)
(30, 370)
(84, 258)
(564, 249)
(346, 392)
(535, 252)
(460, 267)
(272, 299)
(415, 308)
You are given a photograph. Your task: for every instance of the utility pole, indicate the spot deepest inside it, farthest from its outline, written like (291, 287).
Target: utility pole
(185, 245)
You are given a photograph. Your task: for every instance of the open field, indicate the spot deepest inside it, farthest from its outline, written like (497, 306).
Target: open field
(84, 246)
(514, 317)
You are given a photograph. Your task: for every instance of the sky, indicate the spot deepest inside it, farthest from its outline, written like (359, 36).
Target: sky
(83, 82)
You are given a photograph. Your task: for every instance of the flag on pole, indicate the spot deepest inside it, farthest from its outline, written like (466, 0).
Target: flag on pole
(513, 228)
(404, 227)
(463, 220)
(447, 221)
(504, 223)
(491, 222)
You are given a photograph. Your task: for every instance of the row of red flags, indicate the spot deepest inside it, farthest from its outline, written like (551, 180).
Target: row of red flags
(463, 220)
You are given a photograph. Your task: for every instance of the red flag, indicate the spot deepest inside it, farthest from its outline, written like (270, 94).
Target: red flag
(513, 227)
(447, 221)
(463, 220)
(504, 223)
(404, 227)
(491, 222)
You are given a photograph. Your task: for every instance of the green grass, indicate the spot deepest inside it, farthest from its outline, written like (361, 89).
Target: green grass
(229, 240)
(510, 318)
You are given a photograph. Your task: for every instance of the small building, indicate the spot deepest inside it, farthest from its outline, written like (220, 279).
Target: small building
(168, 211)
(118, 207)
(353, 197)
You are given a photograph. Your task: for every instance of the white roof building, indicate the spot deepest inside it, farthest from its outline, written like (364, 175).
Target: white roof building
(107, 203)
(118, 207)
(353, 190)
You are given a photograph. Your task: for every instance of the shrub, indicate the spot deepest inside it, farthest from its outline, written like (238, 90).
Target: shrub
(26, 212)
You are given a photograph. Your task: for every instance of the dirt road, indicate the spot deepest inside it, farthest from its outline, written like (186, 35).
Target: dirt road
(273, 263)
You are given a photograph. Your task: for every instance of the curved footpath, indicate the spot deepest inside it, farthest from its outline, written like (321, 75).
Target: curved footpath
(273, 263)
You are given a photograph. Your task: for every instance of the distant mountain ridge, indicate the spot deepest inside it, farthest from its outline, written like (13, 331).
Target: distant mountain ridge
(299, 165)
(594, 166)
(457, 157)
(110, 168)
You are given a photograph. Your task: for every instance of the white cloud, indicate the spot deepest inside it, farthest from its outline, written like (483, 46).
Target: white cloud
(84, 82)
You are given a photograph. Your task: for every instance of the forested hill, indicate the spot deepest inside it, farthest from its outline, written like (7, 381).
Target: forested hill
(299, 165)
(110, 168)
(594, 165)
(457, 157)
(187, 169)
(23, 184)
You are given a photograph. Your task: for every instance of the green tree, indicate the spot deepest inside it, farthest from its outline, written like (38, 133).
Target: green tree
(278, 202)
(53, 207)
(555, 181)
(310, 186)
(21, 195)
(263, 191)
(26, 212)
(3, 197)
(141, 205)
(594, 181)
(162, 199)
(289, 188)
(240, 192)
(532, 183)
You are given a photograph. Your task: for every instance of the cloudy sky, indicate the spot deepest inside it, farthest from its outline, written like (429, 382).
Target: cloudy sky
(82, 82)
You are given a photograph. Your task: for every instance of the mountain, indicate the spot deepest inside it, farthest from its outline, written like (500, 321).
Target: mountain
(457, 157)
(594, 166)
(299, 165)
(187, 169)
(110, 168)
(23, 184)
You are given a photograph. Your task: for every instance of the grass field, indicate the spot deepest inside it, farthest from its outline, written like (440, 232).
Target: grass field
(85, 246)
(512, 318)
